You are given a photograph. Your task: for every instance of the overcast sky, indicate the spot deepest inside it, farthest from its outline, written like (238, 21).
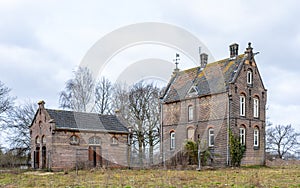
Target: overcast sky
(42, 42)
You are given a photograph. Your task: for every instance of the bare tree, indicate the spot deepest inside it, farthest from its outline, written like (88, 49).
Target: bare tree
(103, 96)
(282, 139)
(17, 127)
(79, 91)
(6, 101)
(139, 106)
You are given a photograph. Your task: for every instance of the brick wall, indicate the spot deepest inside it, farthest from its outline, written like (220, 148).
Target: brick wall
(61, 153)
(212, 112)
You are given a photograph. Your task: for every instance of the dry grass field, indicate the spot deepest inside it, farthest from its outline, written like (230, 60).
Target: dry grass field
(284, 176)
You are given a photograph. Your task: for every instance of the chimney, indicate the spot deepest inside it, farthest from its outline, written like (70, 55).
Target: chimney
(234, 50)
(203, 60)
(41, 104)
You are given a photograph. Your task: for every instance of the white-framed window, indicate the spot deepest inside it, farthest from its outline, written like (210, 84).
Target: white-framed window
(43, 139)
(242, 105)
(249, 77)
(37, 140)
(255, 107)
(256, 137)
(211, 137)
(114, 140)
(172, 140)
(242, 135)
(94, 140)
(74, 140)
(191, 133)
(190, 113)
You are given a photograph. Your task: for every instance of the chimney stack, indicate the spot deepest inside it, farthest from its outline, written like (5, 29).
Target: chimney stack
(234, 50)
(203, 60)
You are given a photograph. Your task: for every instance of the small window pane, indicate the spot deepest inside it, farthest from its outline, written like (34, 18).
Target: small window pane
(172, 140)
(211, 138)
(256, 137)
(190, 113)
(242, 136)
(249, 77)
(255, 107)
(242, 105)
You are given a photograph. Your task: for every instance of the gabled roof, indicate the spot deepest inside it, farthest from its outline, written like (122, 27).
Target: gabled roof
(86, 121)
(213, 79)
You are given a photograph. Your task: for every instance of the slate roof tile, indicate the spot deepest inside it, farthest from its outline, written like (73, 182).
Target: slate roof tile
(213, 79)
(86, 121)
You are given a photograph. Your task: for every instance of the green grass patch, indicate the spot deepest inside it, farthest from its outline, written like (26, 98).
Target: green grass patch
(251, 176)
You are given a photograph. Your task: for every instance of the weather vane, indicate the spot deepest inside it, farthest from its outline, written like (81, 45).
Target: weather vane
(176, 62)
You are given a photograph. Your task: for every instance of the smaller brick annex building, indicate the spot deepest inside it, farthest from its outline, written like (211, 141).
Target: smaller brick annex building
(203, 103)
(63, 139)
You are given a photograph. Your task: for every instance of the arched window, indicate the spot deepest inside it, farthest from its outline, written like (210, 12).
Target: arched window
(249, 77)
(190, 113)
(211, 137)
(74, 140)
(172, 140)
(43, 139)
(255, 107)
(242, 135)
(114, 140)
(256, 137)
(94, 140)
(37, 140)
(190, 133)
(242, 105)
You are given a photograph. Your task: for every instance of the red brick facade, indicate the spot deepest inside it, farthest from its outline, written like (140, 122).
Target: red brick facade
(216, 105)
(64, 148)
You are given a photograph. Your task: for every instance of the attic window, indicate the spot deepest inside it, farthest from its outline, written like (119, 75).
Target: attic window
(114, 140)
(74, 140)
(193, 90)
(249, 77)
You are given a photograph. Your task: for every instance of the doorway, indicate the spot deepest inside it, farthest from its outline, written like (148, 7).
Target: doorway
(36, 156)
(95, 156)
(44, 153)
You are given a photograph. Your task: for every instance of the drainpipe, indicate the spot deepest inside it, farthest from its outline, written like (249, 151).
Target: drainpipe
(228, 129)
(161, 133)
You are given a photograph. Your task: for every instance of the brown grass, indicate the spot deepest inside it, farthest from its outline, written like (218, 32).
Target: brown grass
(284, 176)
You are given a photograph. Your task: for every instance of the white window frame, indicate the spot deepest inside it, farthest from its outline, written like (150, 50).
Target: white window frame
(256, 137)
(172, 141)
(243, 136)
(43, 139)
(242, 105)
(255, 107)
(114, 140)
(190, 113)
(37, 140)
(249, 77)
(95, 140)
(211, 137)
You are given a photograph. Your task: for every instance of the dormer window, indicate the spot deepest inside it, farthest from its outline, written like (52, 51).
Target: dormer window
(193, 91)
(249, 77)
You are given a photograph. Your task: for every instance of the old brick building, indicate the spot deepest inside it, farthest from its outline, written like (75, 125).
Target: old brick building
(63, 139)
(203, 103)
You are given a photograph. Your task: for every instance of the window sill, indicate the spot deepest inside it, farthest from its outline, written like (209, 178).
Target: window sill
(256, 147)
